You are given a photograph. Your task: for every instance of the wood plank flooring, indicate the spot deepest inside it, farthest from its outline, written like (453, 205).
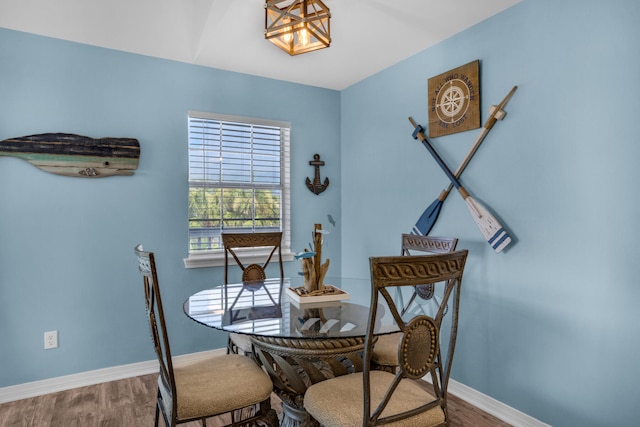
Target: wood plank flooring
(131, 403)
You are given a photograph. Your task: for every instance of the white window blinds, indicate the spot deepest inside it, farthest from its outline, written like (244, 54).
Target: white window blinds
(238, 178)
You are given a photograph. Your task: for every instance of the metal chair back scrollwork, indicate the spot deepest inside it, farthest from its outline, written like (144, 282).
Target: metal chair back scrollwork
(418, 245)
(377, 397)
(385, 354)
(192, 392)
(253, 275)
(252, 272)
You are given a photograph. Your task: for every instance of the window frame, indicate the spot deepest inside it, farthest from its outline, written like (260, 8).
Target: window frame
(216, 257)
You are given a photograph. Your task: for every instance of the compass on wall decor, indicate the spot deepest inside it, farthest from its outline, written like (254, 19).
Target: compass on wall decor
(454, 101)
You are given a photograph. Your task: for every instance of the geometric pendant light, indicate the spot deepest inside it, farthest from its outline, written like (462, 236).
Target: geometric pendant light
(297, 26)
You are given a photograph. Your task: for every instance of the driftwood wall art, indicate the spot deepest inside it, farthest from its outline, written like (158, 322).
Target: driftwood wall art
(75, 155)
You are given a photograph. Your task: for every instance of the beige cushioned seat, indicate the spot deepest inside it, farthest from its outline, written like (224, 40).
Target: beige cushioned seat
(242, 342)
(344, 396)
(385, 352)
(195, 383)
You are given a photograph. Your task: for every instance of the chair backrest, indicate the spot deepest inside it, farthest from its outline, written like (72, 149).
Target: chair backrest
(416, 245)
(431, 244)
(418, 351)
(155, 317)
(251, 272)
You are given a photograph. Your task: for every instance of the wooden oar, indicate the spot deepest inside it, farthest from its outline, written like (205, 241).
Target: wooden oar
(489, 226)
(429, 217)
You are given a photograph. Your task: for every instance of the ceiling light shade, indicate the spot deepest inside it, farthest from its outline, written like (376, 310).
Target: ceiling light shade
(297, 26)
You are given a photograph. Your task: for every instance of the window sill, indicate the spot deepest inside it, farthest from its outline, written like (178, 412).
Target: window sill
(216, 259)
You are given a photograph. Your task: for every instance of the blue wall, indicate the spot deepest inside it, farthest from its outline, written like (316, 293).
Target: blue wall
(550, 326)
(66, 252)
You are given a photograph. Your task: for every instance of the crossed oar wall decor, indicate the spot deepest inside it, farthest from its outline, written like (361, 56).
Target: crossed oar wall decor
(491, 229)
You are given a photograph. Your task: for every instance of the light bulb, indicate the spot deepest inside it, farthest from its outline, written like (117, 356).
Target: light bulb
(304, 37)
(287, 37)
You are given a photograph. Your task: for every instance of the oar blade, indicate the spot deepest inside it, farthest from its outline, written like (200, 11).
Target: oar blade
(489, 226)
(428, 218)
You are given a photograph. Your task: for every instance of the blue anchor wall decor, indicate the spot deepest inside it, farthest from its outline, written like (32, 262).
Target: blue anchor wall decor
(316, 186)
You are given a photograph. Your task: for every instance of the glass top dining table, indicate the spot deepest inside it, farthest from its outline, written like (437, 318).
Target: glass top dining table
(298, 344)
(264, 309)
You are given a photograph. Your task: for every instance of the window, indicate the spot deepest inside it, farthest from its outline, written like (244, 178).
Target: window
(238, 181)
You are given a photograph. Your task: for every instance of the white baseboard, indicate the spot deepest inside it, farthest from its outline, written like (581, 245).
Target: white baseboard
(53, 385)
(491, 406)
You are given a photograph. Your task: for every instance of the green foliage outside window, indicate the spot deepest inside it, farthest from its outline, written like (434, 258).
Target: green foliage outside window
(212, 209)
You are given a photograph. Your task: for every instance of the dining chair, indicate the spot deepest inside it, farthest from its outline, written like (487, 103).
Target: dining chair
(385, 352)
(404, 398)
(234, 244)
(224, 384)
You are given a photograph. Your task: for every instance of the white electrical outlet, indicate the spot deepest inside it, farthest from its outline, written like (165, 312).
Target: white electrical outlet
(50, 340)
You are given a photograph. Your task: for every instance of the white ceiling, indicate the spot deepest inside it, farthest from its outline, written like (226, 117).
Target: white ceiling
(367, 35)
